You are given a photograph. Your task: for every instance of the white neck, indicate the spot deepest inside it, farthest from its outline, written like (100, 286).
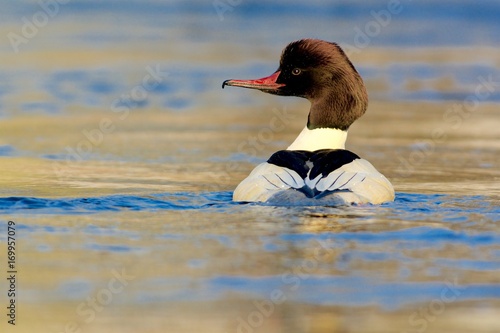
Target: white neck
(319, 138)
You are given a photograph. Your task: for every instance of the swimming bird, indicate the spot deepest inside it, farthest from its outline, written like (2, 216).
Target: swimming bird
(316, 169)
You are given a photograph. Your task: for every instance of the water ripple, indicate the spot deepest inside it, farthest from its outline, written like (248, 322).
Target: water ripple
(411, 207)
(168, 201)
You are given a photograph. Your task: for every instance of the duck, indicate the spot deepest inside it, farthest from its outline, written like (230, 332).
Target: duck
(316, 169)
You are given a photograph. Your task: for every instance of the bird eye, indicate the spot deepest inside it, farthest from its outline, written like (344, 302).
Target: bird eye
(296, 71)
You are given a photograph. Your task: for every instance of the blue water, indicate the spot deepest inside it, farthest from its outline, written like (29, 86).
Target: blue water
(155, 202)
(407, 206)
(94, 89)
(393, 232)
(418, 24)
(413, 23)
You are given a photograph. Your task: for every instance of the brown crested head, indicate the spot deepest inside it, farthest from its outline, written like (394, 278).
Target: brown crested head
(321, 72)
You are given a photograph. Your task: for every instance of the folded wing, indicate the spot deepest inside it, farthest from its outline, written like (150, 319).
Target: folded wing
(330, 175)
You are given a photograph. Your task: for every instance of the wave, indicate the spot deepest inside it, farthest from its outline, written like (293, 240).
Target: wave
(165, 201)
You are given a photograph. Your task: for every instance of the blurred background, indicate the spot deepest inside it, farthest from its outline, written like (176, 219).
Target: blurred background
(86, 53)
(119, 152)
(74, 58)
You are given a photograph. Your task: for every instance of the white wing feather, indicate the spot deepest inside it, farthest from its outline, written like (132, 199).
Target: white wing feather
(359, 182)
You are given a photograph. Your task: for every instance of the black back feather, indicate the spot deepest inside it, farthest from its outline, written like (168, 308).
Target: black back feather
(323, 161)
